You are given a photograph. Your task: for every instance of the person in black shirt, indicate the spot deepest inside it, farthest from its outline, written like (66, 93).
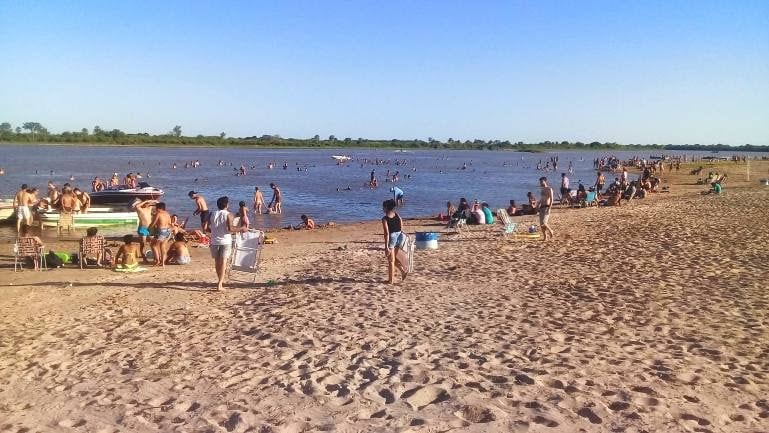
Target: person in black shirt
(394, 240)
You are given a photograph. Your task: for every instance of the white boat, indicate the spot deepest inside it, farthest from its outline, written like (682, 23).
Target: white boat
(341, 158)
(6, 208)
(98, 216)
(124, 194)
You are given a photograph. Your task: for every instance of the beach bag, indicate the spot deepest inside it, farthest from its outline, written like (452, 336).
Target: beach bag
(52, 260)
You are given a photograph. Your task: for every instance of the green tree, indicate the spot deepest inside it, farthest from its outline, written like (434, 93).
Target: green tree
(5, 127)
(332, 137)
(97, 130)
(84, 131)
(222, 135)
(18, 129)
(177, 131)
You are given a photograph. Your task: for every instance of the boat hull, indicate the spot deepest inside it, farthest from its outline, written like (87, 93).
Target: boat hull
(51, 219)
(117, 197)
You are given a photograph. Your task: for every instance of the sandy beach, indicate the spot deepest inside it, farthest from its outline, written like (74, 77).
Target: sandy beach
(649, 317)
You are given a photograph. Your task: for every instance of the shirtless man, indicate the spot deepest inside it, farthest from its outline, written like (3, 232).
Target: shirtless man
(53, 192)
(144, 212)
(161, 225)
(113, 181)
(277, 197)
(545, 203)
(84, 198)
(69, 203)
(23, 213)
(201, 208)
(258, 200)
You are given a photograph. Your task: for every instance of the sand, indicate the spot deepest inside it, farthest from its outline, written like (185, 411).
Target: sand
(647, 317)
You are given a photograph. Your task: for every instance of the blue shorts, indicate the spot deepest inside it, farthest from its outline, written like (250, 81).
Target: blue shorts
(143, 231)
(396, 240)
(163, 234)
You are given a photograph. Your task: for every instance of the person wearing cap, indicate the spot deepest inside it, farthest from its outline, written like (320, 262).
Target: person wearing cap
(144, 212)
(201, 208)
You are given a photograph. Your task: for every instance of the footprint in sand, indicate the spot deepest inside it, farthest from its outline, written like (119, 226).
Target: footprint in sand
(476, 414)
(420, 397)
(588, 413)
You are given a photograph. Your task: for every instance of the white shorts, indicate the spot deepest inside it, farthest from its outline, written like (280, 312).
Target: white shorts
(23, 213)
(220, 251)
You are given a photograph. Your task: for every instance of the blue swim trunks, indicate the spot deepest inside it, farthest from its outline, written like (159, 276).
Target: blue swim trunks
(143, 231)
(163, 234)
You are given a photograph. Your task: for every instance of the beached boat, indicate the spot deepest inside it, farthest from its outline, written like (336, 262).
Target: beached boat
(659, 157)
(341, 158)
(6, 208)
(96, 216)
(124, 194)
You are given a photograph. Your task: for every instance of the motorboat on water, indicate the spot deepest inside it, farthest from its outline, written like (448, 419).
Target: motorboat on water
(341, 159)
(123, 194)
(96, 216)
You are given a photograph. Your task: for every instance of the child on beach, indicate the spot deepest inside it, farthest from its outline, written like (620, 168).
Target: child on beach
(127, 256)
(394, 240)
(243, 215)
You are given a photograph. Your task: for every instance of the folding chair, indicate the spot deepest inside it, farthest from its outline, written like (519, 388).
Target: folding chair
(246, 254)
(66, 219)
(91, 246)
(508, 225)
(27, 247)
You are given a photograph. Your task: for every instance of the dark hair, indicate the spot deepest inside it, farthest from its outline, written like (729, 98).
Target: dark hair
(388, 205)
(484, 204)
(303, 217)
(92, 231)
(179, 236)
(24, 186)
(543, 178)
(76, 190)
(256, 188)
(128, 239)
(272, 184)
(512, 202)
(161, 206)
(222, 202)
(242, 203)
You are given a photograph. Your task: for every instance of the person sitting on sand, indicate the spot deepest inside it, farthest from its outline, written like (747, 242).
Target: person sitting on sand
(176, 226)
(531, 207)
(307, 223)
(128, 254)
(487, 214)
(394, 241)
(478, 217)
(179, 253)
(512, 209)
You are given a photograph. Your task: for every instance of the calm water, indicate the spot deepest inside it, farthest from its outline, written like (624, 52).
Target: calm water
(495, 177)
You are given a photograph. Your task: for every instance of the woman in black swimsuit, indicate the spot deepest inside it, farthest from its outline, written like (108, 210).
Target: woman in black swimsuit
(394, 239)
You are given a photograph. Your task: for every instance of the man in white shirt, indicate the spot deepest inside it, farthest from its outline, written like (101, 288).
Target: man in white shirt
(221, 226)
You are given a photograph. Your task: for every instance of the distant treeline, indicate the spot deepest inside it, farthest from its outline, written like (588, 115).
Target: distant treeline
(33, 132)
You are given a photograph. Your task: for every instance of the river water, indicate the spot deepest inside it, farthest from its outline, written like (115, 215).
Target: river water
(312, 184)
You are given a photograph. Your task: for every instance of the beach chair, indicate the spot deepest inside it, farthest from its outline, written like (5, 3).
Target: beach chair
(246, 254)
(508, 225)
(24, 248)
(66, 220)
(91, 247)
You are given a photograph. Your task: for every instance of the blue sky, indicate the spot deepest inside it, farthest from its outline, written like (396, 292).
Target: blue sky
(631, 72)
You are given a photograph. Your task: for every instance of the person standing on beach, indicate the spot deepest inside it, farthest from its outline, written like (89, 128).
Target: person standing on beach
(599, 183)
(545, 203)
(394, 240)
(222, 227)
(277, 198)
(201, 208)
(144, 212)
(258, 200)
(161, 225)
(23, 213)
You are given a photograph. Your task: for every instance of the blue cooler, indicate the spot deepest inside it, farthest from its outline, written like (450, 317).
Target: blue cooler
(426, 241)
